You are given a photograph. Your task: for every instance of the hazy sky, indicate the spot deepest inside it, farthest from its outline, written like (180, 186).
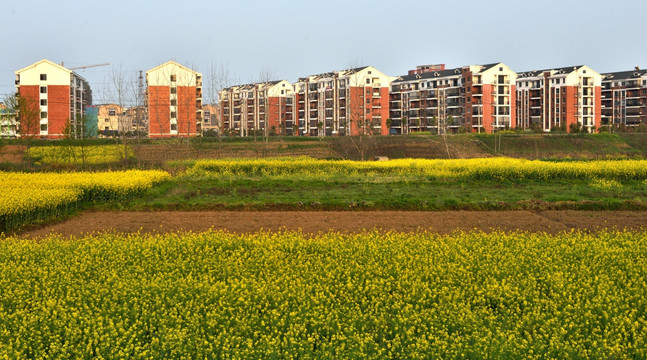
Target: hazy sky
(298, 38)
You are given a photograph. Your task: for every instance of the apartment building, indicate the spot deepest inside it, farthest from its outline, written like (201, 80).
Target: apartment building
(475, 98)
(53, 96)
(174, 100)
(264, 108)
(560, 98)
(348, 102)
(211, 118)
(8, 123)
(624, 98)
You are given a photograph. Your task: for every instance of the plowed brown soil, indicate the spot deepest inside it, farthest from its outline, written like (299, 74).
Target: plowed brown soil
(343, 221)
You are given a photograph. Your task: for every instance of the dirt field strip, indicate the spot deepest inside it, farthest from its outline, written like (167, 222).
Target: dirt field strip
(343, 221)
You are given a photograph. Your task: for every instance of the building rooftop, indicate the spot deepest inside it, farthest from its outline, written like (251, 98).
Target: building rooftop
(624, 75)
(252, 85)
(562, 70)
(331, 74)
(441, 73)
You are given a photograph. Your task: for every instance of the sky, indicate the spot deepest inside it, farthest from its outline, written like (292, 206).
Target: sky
(292, 39)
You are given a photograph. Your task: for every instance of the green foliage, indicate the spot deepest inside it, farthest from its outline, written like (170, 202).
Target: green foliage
(575, 128)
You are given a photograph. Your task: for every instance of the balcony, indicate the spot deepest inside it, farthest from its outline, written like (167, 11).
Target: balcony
(632, 84)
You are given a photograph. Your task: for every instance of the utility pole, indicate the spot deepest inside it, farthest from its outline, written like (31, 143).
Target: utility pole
(141, 95)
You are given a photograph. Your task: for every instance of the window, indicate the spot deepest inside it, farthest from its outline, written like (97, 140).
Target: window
(173, 127)
(368, 81)
(43, 89)
(107, 127)
(106, 120)
(43, 114)
(43, 102)
(173, 90)
(112, 112)
(173, 102)
(43, 127)
(173, 78)
(173, 115)
(282, 92)
(501, 68)
(43, 77)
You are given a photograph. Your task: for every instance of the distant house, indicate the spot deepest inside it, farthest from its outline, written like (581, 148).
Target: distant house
(211, 118)
(112, 119)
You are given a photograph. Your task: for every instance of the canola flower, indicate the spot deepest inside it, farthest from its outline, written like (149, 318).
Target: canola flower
(287, 295)
(495, 169)
(32, 197)
(75, 155)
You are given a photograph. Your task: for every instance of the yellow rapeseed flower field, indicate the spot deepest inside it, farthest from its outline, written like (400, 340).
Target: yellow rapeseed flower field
(31, 197)
(286, 295)
(77, 155)
(495, 169)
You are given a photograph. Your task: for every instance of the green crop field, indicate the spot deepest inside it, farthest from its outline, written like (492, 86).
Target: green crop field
(408, 184)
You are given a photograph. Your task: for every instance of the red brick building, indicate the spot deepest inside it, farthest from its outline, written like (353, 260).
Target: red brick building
(264, 108)
(477, 98)
(54, 98)
(427, 68)
(347, 102)
(561, 98)
(174, 100)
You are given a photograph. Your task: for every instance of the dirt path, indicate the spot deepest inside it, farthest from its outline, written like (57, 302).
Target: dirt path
(343, 221)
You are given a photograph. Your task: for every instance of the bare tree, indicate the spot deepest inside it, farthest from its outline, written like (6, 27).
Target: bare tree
(265, 77)
(359, 118)
(215, 81)
(121, 82)
(218, 77)
(27, 113)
